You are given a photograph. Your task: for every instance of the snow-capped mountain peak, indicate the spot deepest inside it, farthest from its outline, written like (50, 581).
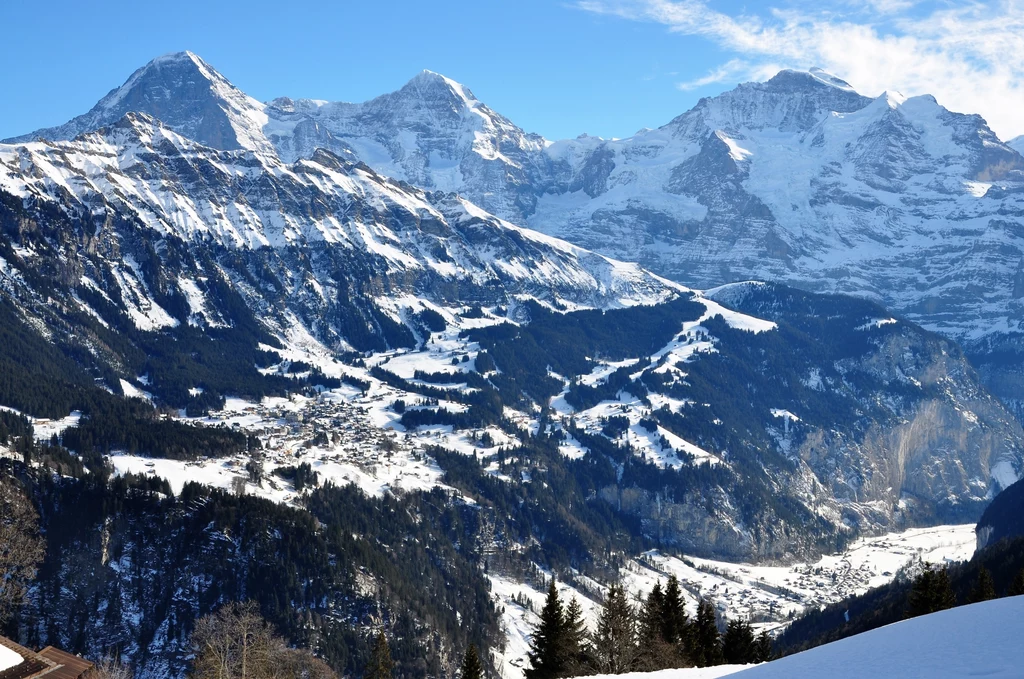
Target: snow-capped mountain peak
(789, 101)
(185, 93)
(428, 85)
(893, 99)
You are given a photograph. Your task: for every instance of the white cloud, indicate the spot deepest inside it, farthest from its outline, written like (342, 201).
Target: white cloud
(969, 55)
(723, 73)
(730, 72)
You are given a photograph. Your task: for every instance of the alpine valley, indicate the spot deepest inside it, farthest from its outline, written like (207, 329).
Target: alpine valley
(387, 365)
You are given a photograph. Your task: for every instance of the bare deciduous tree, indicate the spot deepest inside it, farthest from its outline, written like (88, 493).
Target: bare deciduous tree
(292, 663)
(110, 668)
(236, 642)
(21, 547)
(233, 642)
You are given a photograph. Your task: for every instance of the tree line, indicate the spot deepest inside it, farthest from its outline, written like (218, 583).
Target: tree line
(656, 634)
(932, 591)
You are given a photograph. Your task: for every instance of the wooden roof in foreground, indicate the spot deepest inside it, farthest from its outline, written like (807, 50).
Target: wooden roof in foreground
(50, 662)
(70, 666)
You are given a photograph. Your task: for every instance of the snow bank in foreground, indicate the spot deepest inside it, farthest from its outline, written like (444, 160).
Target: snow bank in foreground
(688, 673)
(981, 640)
(971, 641)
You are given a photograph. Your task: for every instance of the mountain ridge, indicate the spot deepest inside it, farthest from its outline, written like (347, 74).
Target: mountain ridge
(798, 179)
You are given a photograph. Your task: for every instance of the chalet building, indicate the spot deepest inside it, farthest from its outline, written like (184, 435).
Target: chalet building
(18, 662)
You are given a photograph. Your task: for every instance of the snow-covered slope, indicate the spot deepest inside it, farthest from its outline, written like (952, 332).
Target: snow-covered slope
(799, 179)
(172, 187)
(802, 180)
(980, 640)
(684, 673)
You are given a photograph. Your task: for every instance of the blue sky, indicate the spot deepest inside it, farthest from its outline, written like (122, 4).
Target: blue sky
(605, 67)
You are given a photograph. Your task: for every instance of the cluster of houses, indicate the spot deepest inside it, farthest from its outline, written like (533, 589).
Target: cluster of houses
(289, 429)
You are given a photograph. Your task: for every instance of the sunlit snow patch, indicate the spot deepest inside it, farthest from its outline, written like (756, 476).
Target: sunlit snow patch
(877, 323)
(9, 658)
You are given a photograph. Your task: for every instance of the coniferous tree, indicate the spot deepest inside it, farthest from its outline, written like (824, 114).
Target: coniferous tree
(705, 641)
(944, 596)
(471, 667)
(984, 589)
(615, 643)
(1017, 586)
(930, 592)
(674, 620)
(738, 645)
(577, 654)
(920, 600)
(655, 652)
(763, 648)
(381, 666)
(547, 646)
(652, 614)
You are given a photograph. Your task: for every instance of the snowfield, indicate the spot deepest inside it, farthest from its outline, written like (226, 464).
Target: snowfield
(686, 673)
(980, 640)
